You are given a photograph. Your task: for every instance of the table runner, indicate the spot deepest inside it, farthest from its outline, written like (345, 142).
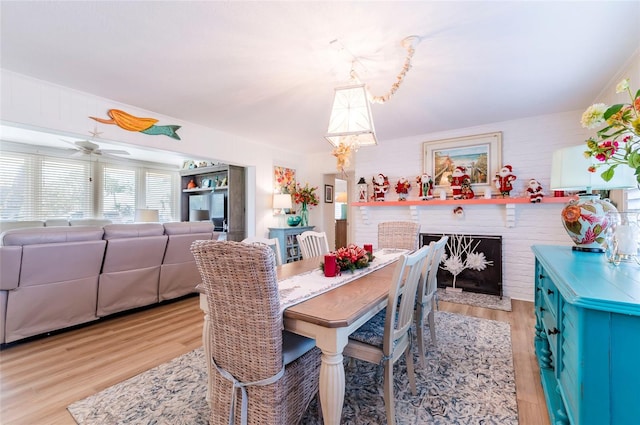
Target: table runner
(301, 287)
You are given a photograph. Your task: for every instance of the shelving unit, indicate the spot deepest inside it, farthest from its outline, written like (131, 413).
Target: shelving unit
(288, 243)
(233, 189)
(509, 204)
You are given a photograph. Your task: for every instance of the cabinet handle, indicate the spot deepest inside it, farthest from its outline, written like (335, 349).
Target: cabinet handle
(542, 309)
(553, 331)
(538, 289)
(541, 276)
(549, 291)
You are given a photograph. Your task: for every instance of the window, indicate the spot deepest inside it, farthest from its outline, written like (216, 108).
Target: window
(39, 187)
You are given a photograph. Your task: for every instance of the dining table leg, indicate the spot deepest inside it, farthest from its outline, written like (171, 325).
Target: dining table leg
(332, 378)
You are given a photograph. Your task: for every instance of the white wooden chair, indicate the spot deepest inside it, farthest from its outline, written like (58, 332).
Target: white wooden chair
(312, 244)
(273, 243)
(427, 289)
(386, 337)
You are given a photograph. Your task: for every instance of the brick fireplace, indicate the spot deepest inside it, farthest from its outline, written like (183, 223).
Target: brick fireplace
(487, 281)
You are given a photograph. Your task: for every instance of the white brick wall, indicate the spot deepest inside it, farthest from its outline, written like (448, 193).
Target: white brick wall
(527, 145)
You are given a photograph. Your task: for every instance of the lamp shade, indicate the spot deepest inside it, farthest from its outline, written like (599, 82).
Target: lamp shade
(570, 171)
(147, 216)
(281, 200)
(351, 122)
(199, 215)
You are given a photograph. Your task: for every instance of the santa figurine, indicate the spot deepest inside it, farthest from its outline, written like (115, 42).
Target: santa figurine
(456, 179)
(534, 189)
(380, 187)
(426, 186)
(466, 191)
(402, 188)
(503, 180)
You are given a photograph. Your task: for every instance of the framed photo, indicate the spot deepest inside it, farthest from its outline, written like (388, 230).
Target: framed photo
(328, 194)
(480, 154)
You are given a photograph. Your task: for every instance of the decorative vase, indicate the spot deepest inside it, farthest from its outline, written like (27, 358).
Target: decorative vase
(304, 215)
(623, 237)
(293, 220)
(586, 221)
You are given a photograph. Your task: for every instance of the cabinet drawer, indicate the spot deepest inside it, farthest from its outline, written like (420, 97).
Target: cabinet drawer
(551, 331)
(549, 295)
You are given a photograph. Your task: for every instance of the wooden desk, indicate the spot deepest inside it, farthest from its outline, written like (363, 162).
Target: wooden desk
(329, 318)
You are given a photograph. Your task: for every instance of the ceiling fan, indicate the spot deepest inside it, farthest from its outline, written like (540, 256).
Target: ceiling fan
(85, 147)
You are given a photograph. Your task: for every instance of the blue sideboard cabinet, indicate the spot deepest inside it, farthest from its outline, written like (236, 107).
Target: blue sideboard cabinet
(587, 337)
(289, 249)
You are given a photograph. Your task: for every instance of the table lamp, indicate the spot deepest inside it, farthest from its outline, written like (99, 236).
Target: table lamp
(281, 201)
(147, 216)
(585, 218)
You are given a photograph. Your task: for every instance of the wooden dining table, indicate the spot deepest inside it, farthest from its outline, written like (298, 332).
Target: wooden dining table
(329, 318)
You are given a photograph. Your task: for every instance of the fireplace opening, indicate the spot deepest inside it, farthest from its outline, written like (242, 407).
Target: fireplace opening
(485, 281)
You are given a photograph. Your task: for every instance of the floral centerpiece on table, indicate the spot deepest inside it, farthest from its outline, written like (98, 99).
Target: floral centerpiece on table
(351, 257)
(619, 142)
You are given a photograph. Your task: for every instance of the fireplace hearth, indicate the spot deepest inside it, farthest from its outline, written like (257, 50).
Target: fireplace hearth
(487, 281)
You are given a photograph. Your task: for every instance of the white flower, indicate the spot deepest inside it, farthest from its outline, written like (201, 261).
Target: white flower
(477, 261)
(594, 115)
(454, 265)
(622, 86)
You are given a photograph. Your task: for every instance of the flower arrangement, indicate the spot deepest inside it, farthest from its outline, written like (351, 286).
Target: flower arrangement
(351, 257)
(619, 142)
(303, 195)
(463, 256)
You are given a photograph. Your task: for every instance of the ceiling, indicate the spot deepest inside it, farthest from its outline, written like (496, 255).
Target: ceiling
(266, 70)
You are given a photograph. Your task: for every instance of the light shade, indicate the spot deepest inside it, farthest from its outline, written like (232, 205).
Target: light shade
(281, 200)
(351, 122)
(199, 215)
(569, 171)
(147, 216)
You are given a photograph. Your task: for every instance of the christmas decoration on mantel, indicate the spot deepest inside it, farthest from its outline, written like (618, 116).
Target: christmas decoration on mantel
(351, 123)
(143, 125)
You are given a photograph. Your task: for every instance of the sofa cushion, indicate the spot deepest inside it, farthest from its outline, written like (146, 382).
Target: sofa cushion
(46, 235)
(133, 230)
(185, 227)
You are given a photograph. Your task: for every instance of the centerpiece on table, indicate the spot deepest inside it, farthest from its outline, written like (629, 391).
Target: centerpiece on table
(351, 257)
(307, 197)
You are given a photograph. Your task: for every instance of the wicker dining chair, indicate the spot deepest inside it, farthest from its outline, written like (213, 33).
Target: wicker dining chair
(254, 361)
(426, 298)
(387, 336)
(398, 234)
(313, 244)
(273, 243)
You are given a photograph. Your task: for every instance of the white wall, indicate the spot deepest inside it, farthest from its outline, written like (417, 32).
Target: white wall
(527, 145)
(37, 104)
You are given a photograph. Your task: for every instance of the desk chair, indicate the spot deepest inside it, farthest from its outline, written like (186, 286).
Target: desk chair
(254, 361)
(386, 337)
(398, 234)
(427, 289)
(273, 243)
(313, 244)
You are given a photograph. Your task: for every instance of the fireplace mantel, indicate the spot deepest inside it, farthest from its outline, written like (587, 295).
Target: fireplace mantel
(415, 205)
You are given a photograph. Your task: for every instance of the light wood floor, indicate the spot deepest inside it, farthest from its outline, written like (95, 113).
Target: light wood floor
(40, 378)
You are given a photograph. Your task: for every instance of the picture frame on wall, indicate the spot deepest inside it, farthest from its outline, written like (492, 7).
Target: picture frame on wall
(480, 154)
(328, 194)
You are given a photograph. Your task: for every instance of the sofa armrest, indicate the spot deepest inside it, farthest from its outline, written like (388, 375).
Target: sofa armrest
(10, 259)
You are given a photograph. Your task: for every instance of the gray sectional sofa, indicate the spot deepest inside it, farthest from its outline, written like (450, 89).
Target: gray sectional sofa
(56, 277)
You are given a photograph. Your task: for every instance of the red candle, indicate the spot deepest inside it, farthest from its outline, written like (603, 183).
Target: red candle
(369, 248)
(330, 265)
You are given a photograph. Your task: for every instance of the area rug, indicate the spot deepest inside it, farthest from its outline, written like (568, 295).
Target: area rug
(475, 299)
(469, 379)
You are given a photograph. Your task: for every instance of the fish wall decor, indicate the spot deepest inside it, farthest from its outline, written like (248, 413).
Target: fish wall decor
(143, 125)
